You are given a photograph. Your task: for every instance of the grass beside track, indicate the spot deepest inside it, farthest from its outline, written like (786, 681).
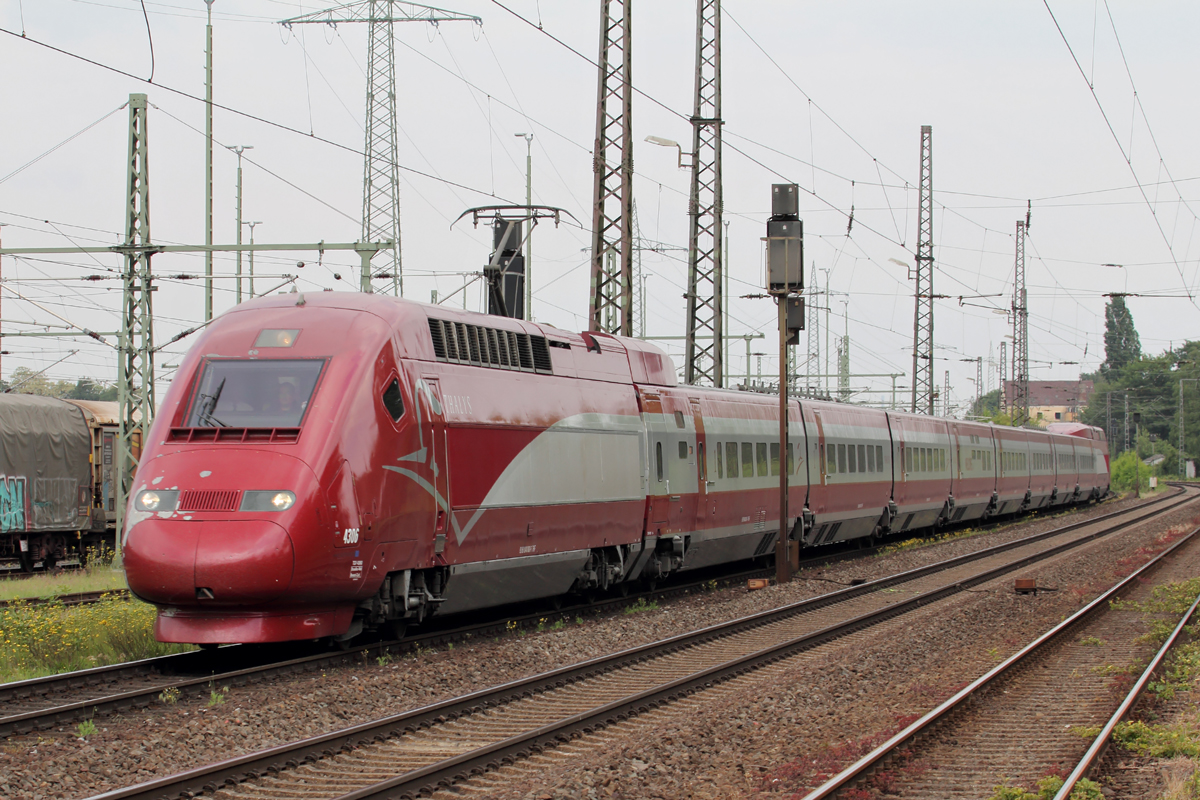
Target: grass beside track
(49, 638)
(56, 584)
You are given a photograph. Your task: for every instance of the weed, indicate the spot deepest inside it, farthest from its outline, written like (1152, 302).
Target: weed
(641, 605)
(579, 620)
(558, 625)
(1158, 741)
(49, 638)
(510, 626)
(169, 695)
(216, 696)
(994, 653)
(449, 645)
(541, 626)
(85, 729)
(1086, 732)
(1047, 788)
(1181, 672)
(384, 659)
(1092, 641)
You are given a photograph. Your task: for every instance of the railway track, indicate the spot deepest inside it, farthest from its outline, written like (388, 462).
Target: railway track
(47, 702)
(451, 741)
(1092, 759)
(1021, 721)
(73, 599)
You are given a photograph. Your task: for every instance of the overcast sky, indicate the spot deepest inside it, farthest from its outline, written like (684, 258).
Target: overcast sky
(827, 95)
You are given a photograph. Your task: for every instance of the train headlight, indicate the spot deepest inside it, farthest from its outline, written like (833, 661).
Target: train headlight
(267, 501)
(156, 500)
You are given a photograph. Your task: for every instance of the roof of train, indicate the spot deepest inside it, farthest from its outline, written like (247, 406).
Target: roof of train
(42, 437)
(103, 412)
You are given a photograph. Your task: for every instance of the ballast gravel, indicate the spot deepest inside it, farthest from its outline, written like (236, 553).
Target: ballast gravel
(759, 739)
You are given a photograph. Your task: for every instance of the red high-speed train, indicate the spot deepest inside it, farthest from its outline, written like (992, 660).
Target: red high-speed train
(329, 462)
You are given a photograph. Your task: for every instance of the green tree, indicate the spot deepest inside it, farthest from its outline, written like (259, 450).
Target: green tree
(1121, 344)
(87, 389)
(987, 406)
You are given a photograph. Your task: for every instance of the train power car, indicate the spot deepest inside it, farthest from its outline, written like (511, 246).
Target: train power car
(330, 462)
(56, 498)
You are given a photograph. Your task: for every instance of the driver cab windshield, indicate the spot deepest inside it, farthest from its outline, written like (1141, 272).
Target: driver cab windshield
(253, 393)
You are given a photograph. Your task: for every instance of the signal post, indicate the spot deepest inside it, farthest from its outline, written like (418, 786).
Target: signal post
(785, 282)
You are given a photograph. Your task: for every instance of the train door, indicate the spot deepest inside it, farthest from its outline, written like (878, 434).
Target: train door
(817, 499)
(704, 501)
(435, 433)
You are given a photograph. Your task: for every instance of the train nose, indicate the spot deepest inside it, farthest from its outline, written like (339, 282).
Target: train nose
(178, 562)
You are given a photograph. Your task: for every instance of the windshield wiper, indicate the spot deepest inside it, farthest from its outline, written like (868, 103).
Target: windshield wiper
(209, 405)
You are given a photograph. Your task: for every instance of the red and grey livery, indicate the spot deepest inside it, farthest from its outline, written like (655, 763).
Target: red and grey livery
(330, 462)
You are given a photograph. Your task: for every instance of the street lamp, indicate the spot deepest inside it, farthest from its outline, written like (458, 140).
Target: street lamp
(661, 142)
(528, 137)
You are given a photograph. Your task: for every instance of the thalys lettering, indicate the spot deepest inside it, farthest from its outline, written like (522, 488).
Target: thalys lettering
(374, 461)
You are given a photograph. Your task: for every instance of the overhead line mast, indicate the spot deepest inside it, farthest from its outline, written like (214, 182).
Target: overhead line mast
(923, 389)
(381, 169)
(703, 346)
(612, 161)
(1020, 356)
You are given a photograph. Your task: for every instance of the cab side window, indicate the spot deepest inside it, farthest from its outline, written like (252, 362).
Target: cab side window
(392, 400)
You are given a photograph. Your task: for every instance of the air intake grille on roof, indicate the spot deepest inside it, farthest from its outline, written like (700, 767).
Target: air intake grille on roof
(197, 500)
(461, 343)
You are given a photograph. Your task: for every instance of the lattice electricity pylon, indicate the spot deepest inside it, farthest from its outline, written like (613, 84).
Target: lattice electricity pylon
(702, 349)
(135, 358)
(381, 170)
(612, 162)
(924, 390)
(1020, 356)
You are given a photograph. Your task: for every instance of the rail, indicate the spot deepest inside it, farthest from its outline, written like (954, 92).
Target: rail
(864, 765)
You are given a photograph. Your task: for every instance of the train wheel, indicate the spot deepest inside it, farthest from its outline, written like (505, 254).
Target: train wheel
(208, 647)
(398, 627)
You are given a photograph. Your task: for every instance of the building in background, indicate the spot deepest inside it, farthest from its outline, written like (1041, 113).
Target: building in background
(1055, 401)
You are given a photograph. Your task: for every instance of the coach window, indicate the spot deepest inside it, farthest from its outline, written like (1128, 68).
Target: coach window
(678, 419)
(870, 458)
(731, 455)
(924, 459)
(658, 455)
(720, 461)
(760, 450)
(747, 460)
(851, 461)
(862, 459)
(392, 400)
(683, 447)
(774, 458)
(703, 465)
(831, 459)
(879, 456)
(791, 461)
(842, 458)
(942, 459)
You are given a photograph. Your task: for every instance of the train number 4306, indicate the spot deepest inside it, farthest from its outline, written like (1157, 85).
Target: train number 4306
(350, 536)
